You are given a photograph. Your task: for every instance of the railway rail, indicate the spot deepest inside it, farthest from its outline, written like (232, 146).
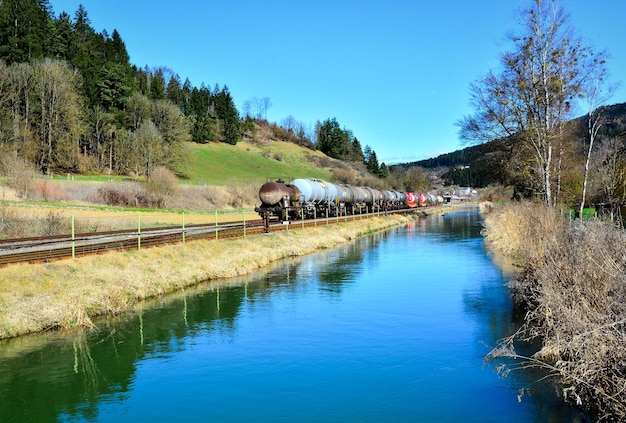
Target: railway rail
(49, 248)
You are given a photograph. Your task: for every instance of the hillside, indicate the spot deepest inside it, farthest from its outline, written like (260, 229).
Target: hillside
(490, 163)
(221, 164)
(213, 176)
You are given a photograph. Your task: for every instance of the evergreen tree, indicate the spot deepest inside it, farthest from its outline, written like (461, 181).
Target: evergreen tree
(85, 53)
(371, 161)
(357, 152)
(372, 164)
(113, 85)
(199, 107)
(174, 93)
(24, 26)
(61, 37)
(334, 141)
(157, 85)
(116, 49)
(186, 97)
(384, 171)
(140, 80)
(227, 113)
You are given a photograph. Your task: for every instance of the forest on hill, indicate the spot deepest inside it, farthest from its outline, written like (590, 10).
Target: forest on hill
(71, 102)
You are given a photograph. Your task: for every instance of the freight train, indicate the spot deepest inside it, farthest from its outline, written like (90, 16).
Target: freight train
(313, 198)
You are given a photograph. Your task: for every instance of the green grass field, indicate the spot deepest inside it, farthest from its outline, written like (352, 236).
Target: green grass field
(219, 163)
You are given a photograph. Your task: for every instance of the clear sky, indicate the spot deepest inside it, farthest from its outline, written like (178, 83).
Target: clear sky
(394, 72)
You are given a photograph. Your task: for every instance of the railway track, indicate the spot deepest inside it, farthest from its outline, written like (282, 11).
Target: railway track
(49, 248)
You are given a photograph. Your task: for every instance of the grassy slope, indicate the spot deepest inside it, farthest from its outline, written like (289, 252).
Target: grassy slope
(220, 164)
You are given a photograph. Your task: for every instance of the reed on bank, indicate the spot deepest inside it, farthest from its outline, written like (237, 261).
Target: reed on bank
(572, 287)
(70, 293)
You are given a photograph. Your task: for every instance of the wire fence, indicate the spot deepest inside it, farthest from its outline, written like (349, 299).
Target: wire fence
(16, 223)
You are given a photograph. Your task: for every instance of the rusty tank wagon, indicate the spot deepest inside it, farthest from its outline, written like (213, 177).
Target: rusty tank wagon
(316, 198)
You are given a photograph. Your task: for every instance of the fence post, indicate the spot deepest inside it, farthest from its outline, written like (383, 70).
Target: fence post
(302, 217)
(244, 224)
(315, 216)
(183, 227)
(73, 239)
(138, 231)
(216, 231)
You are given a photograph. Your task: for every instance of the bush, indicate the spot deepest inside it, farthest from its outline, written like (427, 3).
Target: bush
(21, 174)
(50, 191)
(344, 176)
(114, 196)
(573, 287)
(162, 182)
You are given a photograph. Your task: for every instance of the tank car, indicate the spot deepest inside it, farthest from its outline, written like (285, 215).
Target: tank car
(411, 200)
(422, 200)
(312, 198)
(277, 199)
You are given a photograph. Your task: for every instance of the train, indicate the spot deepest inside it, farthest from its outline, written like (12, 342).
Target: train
(315, 198)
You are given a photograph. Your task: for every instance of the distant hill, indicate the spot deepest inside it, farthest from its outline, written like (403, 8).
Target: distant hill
(486, 164)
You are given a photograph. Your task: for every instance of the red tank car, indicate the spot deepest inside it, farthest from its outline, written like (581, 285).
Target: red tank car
(423, 200)
(411, 200)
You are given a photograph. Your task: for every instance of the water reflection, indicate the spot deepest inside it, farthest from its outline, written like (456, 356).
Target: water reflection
(74, 377)
(460, 224)
(52, 374)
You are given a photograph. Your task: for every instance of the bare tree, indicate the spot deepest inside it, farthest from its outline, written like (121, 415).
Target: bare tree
(596, 95)
(173, 127)
(611, 176)
(101, 124)
(246, 109)
(289, 123)
(149, 144)
(137, 110)
(266, 104)
(60, 117)
(534, 93)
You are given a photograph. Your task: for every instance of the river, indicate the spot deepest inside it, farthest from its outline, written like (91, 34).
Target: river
(392, 327)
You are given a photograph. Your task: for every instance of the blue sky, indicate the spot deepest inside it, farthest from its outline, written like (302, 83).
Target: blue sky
(394, 72)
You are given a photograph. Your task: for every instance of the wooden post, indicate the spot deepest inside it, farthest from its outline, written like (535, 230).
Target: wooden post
(73, 239)
(138, 231)
(183, 227)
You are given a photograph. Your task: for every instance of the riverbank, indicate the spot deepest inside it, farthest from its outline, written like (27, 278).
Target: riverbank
(70, 293)
(572, 290)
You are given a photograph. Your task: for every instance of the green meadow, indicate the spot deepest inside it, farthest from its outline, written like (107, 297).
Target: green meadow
(220, 163)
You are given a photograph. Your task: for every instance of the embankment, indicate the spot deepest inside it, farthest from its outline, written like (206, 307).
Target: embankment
(70, 293)
(572, 287)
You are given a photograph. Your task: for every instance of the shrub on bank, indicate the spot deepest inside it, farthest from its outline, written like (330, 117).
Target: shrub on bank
(573, 285)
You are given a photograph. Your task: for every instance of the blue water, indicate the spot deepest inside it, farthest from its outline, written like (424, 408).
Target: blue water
(390, 328)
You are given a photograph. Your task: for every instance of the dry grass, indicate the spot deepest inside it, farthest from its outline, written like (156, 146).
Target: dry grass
(22, 220)
(70, 293)
(522, 231)
(573, 285)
